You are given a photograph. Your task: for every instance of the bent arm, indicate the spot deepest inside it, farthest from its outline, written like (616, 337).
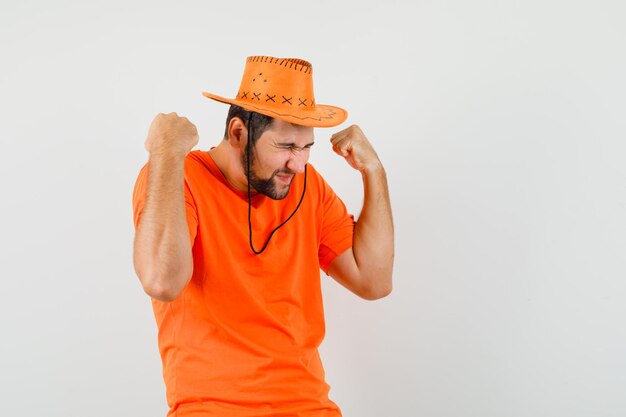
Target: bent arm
(366, 268)
(162, 248)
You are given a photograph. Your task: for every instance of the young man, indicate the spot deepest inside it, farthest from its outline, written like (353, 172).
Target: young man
(229, 244)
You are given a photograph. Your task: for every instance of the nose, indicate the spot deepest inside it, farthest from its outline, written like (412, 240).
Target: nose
(297, 161)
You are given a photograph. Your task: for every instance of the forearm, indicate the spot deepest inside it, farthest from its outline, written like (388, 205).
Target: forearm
(162, 251)
(373, 242)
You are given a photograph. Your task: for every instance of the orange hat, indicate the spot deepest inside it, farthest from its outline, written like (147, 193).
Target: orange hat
(282, 88)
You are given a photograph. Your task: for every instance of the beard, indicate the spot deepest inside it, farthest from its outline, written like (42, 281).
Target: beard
(265, 186)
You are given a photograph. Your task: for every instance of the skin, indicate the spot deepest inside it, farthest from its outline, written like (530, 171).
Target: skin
(281, 152)
(366, 269)
(162, 249)
(162, 252)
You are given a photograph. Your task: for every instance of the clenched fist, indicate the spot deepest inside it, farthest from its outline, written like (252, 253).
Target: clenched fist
(171, 135)
(352, 144)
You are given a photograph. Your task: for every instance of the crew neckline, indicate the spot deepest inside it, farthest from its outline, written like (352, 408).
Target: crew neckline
(217, 173)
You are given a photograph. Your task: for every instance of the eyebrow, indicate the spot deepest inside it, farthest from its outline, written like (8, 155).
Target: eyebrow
(292, 144)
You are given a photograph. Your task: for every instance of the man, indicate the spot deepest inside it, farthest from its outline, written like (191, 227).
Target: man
(229, 244)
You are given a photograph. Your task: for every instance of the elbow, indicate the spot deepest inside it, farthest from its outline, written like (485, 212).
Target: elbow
(161, 292)
(166, 286)
(378, 280)
(381, 290)
(377, 294)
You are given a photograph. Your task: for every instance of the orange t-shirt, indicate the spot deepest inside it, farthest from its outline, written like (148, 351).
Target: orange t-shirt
(242, 338)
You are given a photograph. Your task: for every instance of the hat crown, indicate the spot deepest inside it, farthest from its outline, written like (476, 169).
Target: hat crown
(278, 83)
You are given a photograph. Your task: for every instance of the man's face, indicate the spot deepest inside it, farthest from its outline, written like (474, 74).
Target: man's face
(281, 152)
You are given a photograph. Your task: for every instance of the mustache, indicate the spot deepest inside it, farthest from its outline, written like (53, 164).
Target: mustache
(284, 172)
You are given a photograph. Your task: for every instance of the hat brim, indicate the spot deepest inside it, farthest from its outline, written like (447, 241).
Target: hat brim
(321, 115)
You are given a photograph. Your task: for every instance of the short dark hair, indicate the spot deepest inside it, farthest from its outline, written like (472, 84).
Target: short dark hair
(260, 122)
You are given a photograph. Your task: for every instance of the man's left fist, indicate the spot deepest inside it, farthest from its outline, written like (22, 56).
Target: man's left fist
(352, 144)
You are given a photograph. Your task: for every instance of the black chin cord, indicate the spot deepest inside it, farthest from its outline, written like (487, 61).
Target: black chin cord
(250, 205)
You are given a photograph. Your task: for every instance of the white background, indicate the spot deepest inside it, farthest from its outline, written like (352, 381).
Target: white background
(502, 128)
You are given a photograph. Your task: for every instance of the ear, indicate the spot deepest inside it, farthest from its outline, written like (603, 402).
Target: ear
(237, 133)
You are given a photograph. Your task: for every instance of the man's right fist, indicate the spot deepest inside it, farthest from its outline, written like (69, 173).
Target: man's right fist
(171, 135)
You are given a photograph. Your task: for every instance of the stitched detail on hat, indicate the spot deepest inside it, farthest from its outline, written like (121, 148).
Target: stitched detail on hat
(271, 98)
(293, 63)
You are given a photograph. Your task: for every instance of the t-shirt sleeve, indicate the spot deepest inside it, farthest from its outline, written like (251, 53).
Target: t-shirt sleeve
(139, 200)
(337, 227)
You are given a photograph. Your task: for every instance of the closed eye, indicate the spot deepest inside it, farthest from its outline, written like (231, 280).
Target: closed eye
(293, 148)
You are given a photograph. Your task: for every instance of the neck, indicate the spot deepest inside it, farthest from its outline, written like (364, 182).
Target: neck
(229, 163)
